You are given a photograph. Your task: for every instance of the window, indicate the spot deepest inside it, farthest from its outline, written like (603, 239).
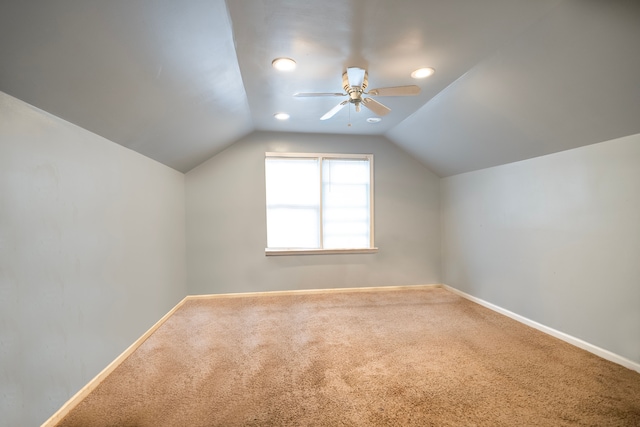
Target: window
(319, 203)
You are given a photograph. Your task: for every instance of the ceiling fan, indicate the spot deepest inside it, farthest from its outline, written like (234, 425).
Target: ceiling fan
(354, 82)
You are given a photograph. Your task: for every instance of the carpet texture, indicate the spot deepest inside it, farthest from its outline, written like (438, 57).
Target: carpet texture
(424, 357)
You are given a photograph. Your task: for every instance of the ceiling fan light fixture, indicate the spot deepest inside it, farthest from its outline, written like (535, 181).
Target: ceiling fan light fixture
(422, 73)
(283, 64)
(281, 116)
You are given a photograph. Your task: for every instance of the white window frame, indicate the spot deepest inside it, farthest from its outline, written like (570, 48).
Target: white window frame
(321, 251)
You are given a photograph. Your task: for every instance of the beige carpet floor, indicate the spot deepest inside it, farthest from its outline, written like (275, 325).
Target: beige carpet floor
(381, 358)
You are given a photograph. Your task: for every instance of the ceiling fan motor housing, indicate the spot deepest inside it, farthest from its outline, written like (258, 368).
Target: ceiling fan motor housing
(355, 92)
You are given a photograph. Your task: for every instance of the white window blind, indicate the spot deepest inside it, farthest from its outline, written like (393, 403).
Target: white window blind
(345, 196)
(319, 201)
(293, 203)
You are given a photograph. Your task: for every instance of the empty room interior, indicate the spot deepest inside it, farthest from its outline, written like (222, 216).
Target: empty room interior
(347, 212)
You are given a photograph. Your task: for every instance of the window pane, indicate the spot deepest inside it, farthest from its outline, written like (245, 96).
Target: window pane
(346, 205)
(342, 242)
(293, 228)
(292, 182)
(293, 203)
(346, 229)
(345, 214)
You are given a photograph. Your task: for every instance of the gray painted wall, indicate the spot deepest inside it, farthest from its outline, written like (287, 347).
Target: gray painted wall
(226, 225)
(92, 253)
(555, 239)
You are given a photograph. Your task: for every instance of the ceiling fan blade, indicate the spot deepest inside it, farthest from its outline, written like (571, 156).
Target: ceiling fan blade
(395, 91)
(310, 94)
(356, 76)
(376, 107)
(334, 110)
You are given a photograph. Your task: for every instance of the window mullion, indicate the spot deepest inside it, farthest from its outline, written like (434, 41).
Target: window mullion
(321, 208)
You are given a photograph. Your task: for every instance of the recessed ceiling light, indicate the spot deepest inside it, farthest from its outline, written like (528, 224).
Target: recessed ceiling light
(421, 73)
(283, 64)
(374, 120)
(281, 116)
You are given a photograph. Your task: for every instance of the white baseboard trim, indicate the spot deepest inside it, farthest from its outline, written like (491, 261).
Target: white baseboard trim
(314, 291)
(605, 354)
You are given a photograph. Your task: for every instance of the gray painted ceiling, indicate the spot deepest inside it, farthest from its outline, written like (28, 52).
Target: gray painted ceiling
(178, 81)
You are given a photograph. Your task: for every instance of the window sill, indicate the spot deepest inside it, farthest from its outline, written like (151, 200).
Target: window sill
(282, 252)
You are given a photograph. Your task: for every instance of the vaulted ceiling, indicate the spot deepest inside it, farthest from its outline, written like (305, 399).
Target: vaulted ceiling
(179, 81)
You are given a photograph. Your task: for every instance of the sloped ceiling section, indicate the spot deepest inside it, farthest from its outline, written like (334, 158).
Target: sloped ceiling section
(572, 79)
(178, 81)
(158, 76)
